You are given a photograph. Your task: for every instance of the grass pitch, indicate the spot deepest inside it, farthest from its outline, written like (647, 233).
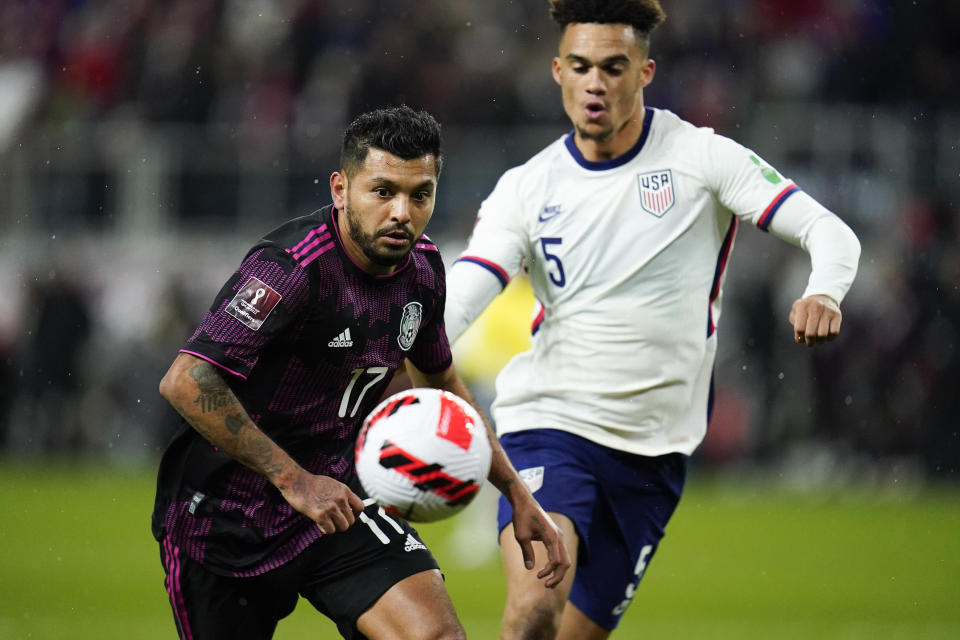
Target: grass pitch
(739, 561)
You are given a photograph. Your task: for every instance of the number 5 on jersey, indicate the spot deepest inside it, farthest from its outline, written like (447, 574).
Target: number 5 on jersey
(557, 277)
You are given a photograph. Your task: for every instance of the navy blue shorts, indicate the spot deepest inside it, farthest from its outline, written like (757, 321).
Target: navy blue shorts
(618, 502)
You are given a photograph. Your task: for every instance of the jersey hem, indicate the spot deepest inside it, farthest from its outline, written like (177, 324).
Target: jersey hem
(686, 447)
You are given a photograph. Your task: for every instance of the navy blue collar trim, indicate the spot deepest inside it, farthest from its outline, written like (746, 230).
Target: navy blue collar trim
(612, 163)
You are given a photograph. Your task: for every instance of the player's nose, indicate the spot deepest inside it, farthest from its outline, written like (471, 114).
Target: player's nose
(400, 211)
(595, 84)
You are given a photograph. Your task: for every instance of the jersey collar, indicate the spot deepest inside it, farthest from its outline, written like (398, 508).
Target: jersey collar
(612, 163)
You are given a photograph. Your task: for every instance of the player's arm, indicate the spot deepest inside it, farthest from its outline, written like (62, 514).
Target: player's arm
(757, 193)
(493, 255)
(471, 287)
(198, 391)
(530, 521)
(834, 253)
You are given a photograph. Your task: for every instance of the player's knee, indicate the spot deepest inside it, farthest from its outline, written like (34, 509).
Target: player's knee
(444, 626)
(451, 631)
(531, 617)
(432, 631)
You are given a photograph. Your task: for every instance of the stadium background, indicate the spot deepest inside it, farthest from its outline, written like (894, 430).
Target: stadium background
(144, 145)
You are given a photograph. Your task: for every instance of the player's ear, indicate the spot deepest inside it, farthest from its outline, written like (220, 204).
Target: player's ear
(647, 71)
(338, 190)
(555, 67)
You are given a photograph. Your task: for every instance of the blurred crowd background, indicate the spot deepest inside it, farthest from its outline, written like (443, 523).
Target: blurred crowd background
(145, 145)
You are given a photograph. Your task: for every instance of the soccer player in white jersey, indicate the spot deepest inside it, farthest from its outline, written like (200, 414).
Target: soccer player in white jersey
(624, 226)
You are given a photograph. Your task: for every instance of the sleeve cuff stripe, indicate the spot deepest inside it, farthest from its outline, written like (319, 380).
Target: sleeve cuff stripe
(492, 267)
(535, 326)
(213, 362)
(771, 210)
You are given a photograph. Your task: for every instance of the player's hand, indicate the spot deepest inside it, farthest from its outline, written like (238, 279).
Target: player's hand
(328, 502)
(530, 522)
(816, 319)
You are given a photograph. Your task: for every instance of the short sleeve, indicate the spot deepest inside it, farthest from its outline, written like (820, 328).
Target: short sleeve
(259, 301)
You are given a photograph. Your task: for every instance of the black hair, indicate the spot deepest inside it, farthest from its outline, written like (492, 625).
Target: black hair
(643, 15)
(401, 131)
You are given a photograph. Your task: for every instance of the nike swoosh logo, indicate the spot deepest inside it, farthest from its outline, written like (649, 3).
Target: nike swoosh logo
(549, 212)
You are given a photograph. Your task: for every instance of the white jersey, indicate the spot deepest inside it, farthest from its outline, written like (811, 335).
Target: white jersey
(626, 258)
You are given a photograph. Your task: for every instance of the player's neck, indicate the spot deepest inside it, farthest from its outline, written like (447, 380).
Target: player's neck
(616, 145)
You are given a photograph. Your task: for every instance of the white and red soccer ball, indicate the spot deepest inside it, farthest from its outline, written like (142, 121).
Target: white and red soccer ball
(423, 454)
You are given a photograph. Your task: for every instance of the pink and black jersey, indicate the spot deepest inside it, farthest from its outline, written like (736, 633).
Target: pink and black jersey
(308, 341)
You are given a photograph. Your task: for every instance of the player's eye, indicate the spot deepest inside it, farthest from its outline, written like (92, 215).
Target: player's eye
(614, 70)
(421, 196)
(580, 68)
(383, 192)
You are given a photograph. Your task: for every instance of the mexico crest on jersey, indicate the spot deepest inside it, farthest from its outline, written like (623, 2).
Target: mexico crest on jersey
(656, 191)
(409, 324)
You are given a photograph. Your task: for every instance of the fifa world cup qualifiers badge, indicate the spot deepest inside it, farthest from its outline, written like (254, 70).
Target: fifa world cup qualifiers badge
(253, 303)
(409, 324)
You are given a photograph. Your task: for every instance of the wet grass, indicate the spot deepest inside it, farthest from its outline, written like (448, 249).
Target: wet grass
(740, 560)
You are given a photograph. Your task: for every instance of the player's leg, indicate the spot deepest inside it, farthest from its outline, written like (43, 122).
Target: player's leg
(575, 625)
(210, 606)
(414, 608)
(378, 580)
(532, 611)
(637, 498)
(553, 465)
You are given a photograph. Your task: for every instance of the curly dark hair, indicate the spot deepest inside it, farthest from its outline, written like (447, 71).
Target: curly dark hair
(401, 131)
(643, 15)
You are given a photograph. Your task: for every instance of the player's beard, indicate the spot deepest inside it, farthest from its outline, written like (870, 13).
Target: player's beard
(597, 136)
(383, 256)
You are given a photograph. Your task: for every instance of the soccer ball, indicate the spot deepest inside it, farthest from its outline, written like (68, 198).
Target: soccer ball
(423, 454)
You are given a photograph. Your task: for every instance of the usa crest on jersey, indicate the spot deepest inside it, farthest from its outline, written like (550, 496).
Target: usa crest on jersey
(656, 191)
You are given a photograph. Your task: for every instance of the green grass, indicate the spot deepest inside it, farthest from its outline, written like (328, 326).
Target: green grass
(739, 561)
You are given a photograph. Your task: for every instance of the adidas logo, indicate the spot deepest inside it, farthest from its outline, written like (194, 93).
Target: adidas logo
(342, 340)
(412, 544)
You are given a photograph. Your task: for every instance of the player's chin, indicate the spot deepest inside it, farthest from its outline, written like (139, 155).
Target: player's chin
(391, 256)
(596, 131)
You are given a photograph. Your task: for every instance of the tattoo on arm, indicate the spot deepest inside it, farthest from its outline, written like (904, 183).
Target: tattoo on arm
(257, 453)
(214, 392)
(235, 434)
(234, 423)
